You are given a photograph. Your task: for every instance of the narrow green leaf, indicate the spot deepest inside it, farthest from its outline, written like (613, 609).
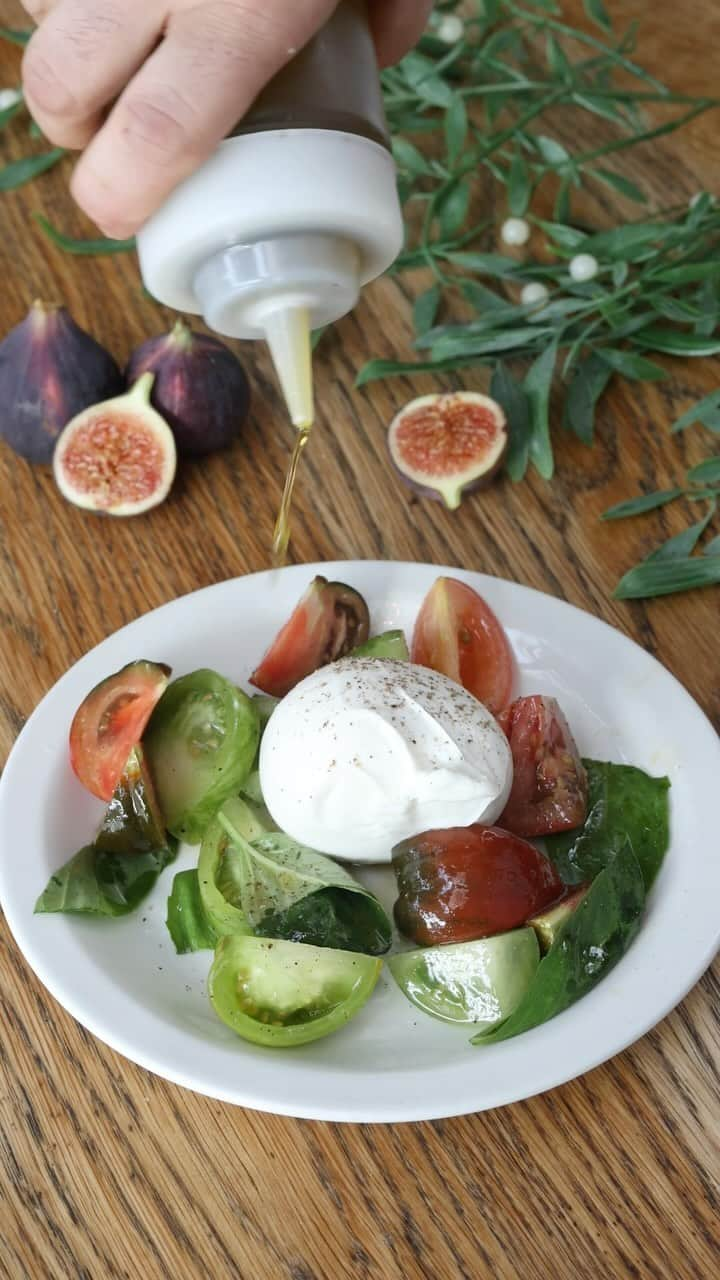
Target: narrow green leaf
(706, 411)
(511, 396)
(624, 241)
(675, 309)
(482, 344)
(644, 502)
(566, 237)
(552, 152)
(561, 208)
(316, 336)
(519, 185)
(480, 297)
(408, 157)
(486, 264)
(707, 472)
(673, 342)
(621, 184)
(19, 172)
(708, 301)
(597, 13)
(690, 273)
(375, 369)
(8, 113)
(15, 36)
(456, 127)
(620, 274)
(665, 577)
(556, 60)
(537, 386)
(452, 209)
(425, 309)
(589, 382)
(713, 547)
(603, 107)
(631, 365)
(88, 248)
(681, 544)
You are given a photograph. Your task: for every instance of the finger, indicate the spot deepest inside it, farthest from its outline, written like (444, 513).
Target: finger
(80, 58)
(197, 84)
(396, 26)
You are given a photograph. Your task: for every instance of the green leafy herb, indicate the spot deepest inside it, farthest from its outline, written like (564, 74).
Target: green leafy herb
(18, 172)
(624, 804)
(103, 884)
(665, 577)
(588, 383)
(594, 937)
(86, 248)
(187, 920)
(706, 411)
(14, 36)
(638, 506)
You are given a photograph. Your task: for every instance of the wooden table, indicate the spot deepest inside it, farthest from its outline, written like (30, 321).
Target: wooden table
(108, 1171)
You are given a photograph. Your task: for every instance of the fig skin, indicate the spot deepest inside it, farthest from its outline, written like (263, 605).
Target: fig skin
(50, 370)
(200, 388)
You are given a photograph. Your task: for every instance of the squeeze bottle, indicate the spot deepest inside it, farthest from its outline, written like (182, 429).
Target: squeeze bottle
(294, 212)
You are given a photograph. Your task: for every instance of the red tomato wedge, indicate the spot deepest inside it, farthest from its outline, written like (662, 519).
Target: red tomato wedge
(457, 633)
(549, 790)
(111, 720)
(469, 882)
(330, 620)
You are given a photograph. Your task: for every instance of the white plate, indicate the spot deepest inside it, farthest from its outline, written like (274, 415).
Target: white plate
(122, 980)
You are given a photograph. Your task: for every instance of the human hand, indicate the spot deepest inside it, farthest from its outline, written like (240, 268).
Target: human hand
(176, 76)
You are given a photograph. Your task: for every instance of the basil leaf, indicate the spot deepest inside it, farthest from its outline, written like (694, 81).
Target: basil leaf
(588, 384)
(664, 577)
(511, 396)
(624, 804)
(644, 502)
(537, 385)
(88, 248)
(332, 918)
(101, 884)
(186, 920)
(589, 945)
(19, 172)
(631, 365)
(266, 879)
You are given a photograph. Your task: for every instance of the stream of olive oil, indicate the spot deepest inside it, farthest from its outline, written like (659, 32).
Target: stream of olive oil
(281, 533)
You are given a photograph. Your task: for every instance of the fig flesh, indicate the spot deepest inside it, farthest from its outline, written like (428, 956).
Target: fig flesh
(200, 387)
(50, 370)
(446, 445)
(117, 457)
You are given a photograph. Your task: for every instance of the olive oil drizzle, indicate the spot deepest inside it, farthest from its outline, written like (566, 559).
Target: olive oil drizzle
(281, 532)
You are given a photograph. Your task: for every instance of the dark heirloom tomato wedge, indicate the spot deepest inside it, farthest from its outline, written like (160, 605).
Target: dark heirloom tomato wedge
(549, 790)
(457, 633)
(469, 882)
(111, 720)
(329, 621)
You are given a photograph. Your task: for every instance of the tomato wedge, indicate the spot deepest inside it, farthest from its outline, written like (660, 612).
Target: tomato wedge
(111, 720)
(457, 633)
(463, 883)
(549, 790)
(330, 620)
(280, 994)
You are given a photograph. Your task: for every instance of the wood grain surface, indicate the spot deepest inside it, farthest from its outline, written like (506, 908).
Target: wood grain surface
(107, 1171)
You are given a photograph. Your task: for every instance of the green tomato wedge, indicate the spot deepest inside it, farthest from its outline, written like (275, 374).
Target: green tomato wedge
(389, 644)
(201, 743)
(479, 982)
(281, 994)
(222, 916)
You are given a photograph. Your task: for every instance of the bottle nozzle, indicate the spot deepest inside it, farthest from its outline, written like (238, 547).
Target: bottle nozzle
(287, 331)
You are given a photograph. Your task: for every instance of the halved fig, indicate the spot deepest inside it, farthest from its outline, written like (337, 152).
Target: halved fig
(446, 445)
(329, 622)
(117, 457)
(110, 722)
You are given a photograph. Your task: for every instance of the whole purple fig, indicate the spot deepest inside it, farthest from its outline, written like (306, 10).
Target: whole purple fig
(200, 387)
(50, 370)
